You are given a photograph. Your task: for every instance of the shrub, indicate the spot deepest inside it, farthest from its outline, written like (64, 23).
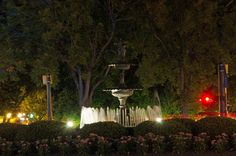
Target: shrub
(126, 145)
(234, 141)
(156, 143)
(147, 127)
(9, 130)
(106, 129)
(216, 125)
(165, 128)
(142, 145)
(220, 143)
(181, 142)
(42, 130)
(200, 142)
(188, 123)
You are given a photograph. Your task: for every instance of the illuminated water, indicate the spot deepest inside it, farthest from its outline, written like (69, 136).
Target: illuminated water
(137, 115)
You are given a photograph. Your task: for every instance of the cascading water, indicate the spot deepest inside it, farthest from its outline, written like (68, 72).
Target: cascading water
(136, 115)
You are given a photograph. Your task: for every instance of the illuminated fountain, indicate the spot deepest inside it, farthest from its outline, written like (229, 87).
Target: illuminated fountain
(123, 115)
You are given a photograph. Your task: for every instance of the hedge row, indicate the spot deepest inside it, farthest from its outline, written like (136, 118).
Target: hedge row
(50, 129)
(34, 131)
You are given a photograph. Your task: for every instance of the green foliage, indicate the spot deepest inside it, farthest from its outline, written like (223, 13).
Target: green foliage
(179, 43)
(164, 128)
(146, 127)
(141, 99)
(173, 127)
(42, 130)
(220, 143)
(106, 129)
(188, 123)
(36, 104)
(9, 130)
(170, 103)
(189, 41)
(216, 125)
(66, 106)
(181, 142)
(200, 142)
(11, 95)
(104, 99)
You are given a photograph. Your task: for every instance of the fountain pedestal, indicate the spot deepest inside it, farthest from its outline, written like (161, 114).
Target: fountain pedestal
(122, 95)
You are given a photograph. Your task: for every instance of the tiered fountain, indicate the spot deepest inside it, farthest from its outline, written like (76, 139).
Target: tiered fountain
(122, 92)
(122, 115)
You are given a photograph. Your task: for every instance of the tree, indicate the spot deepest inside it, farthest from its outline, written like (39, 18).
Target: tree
(35, 103)
(77, 34)
(189, 37)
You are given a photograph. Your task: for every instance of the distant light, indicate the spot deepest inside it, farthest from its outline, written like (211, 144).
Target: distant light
(31, 115)
(159, 120)
(69, 124)
(19, 115)
(9, 115)
(22, 119)
(207, 99)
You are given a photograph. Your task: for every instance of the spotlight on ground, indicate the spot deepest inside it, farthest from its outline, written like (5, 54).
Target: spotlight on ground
(70, 124)
(159, 120)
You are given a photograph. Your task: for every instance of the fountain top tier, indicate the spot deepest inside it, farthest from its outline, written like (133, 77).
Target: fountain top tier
(123, 66)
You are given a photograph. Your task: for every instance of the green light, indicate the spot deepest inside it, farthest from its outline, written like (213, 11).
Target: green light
(31, 115)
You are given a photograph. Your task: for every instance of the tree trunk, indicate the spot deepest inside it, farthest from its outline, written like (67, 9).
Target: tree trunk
(183, 91)
(157, 97)
(76, 75)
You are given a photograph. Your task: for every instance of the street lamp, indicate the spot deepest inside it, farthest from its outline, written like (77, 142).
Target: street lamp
(47, 81)
(9, 115)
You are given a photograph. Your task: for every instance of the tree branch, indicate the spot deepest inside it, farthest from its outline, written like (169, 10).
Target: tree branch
(162, 43)
(101, 80)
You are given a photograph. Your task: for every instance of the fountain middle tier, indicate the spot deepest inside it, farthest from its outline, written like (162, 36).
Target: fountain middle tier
(121, 94)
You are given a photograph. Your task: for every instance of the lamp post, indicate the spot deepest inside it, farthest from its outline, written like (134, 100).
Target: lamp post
(47, 82)
(223, 84)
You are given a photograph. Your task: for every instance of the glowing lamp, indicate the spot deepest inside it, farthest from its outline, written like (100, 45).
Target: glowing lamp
(31, 115)
(19, 115)
(159, 120)
(69, 124)
(8, 115)
(206, 100)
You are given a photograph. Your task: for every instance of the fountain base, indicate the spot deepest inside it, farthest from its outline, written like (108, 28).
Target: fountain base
(132, 115)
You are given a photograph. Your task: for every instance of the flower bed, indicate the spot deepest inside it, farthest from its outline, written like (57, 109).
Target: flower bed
(178, 136)
(99, 145)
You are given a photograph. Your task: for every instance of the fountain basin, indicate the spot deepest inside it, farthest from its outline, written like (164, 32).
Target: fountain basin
(121, 93)
(137, 115)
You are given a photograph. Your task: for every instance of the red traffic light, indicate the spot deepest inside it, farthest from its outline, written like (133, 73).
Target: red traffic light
(206, 99)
